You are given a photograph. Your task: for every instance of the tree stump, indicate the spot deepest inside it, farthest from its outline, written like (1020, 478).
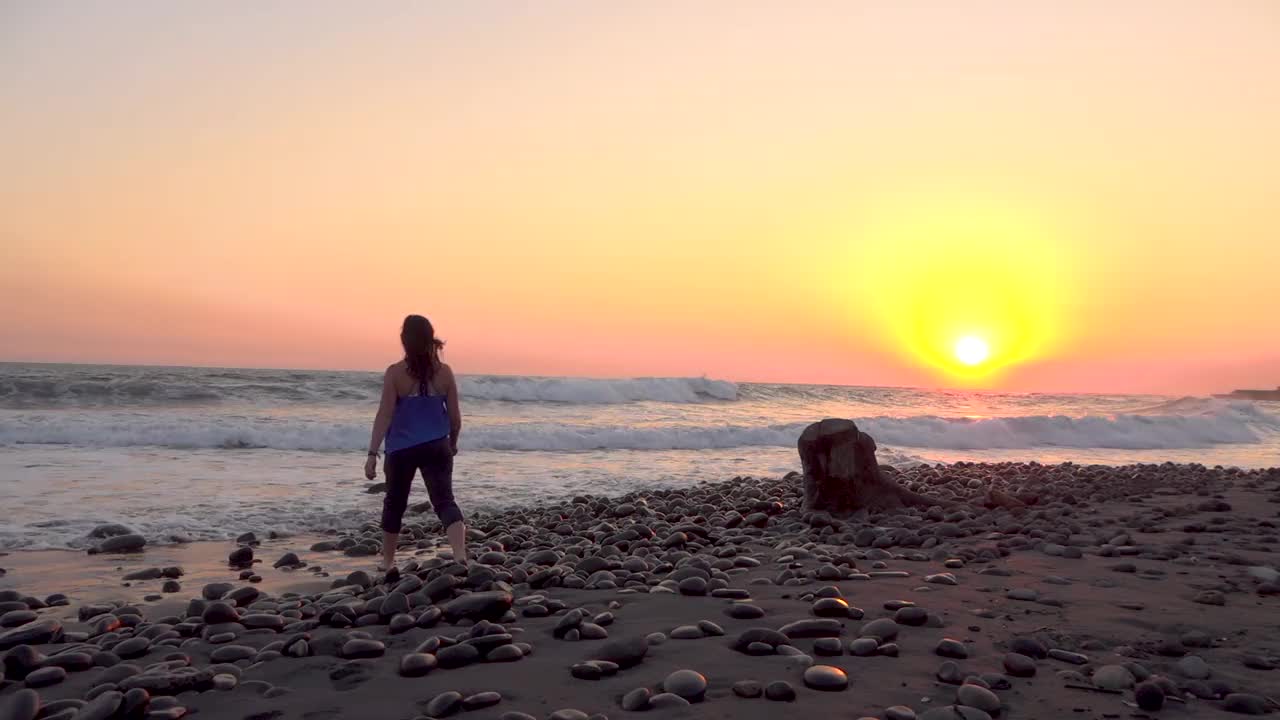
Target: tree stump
(841, 475)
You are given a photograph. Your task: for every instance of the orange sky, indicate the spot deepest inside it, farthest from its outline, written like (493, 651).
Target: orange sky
(804, 192)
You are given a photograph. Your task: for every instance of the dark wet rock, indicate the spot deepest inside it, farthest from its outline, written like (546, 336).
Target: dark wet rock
(625, 653)
(950, 648)
(456, 656)
(45, 677)
(216, 591)
(263, 621)
(102, 707)
(825, 677)
(21, 705)
(780, 690)
(288, 560)
(15, 618)
(693, 586)
(132, 648)
(244, 596)
(131, 542)
(40, 632)
(586, 671)
(504, 653)
(1149, 696)
(1030, 647)
(241, 557)
(217, 613)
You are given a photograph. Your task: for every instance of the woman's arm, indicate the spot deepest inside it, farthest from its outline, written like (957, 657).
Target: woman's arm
(381, 421)
(455, 412)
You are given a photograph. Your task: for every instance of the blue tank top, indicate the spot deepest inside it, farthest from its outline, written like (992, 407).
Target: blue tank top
(418, 419)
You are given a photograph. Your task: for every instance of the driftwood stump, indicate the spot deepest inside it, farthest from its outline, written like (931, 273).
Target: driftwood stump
(841, 474)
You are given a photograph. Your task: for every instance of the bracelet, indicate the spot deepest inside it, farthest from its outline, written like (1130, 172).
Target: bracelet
(373, 453)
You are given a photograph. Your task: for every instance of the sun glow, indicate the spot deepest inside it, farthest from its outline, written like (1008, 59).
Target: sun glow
(972, 350)
(969, 286)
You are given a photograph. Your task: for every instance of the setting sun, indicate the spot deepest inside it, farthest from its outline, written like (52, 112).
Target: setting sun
(972, 350)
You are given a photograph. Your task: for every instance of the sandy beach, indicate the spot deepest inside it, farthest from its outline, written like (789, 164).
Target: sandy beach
(1113, 587)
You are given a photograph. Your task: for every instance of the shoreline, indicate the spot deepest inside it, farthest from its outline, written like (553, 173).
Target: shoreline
(1161, 576)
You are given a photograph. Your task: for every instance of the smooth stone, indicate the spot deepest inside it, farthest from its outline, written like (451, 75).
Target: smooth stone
(686, 632)
(978, 697)
(1194, 667)
(1113, 677)
(744, 611)
(489, 605)
(667, 700)
(625, 653)
(102, 707)
(825, 677)
(828, 647)
(688, 684)
(1030, 647)
(949, 673)
(1245, 704)
(864, 647)
(780, 690)
(456, 656)
(636, 700)
(950, 648)
(913, 616)
(360, 648)
(1149, 696)
(45, 677)
(417, 664)
(22, 705)
(504, 653)
(41, 632)
(1019, 665)
(444, 704)
(831, 607)
(747, 689)
(480, 700)
(899, 712)
(884, 629)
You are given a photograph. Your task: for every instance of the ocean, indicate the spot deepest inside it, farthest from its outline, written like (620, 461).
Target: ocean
(209, 453)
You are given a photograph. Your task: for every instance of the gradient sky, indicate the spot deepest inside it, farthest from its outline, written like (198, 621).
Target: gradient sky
(798, 191)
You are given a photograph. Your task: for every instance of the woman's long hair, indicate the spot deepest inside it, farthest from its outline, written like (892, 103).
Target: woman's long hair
(421, 348)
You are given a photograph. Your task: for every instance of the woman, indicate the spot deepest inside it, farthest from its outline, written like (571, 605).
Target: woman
(420, 421)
